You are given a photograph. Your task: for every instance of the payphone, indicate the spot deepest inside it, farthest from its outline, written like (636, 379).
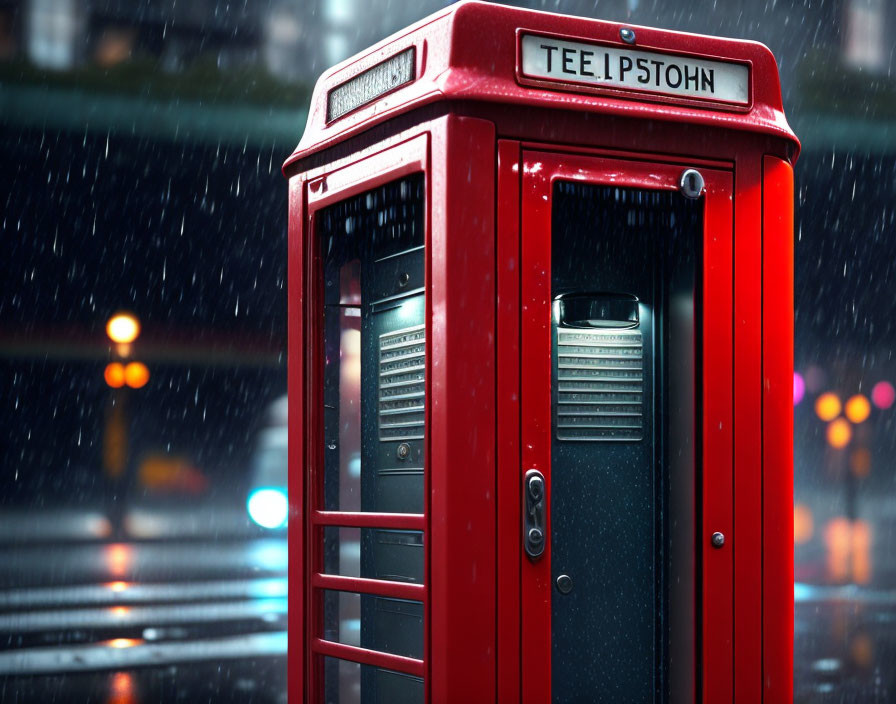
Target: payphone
(540, 286)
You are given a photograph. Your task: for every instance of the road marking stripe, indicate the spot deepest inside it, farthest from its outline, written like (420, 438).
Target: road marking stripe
(106, 657)
(129, 593)
(121, 616)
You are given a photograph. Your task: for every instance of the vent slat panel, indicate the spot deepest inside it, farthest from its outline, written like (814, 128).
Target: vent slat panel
(599, 389)
(402, 365)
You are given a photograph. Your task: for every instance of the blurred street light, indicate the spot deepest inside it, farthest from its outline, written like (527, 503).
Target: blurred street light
(123, 328)
(883, 394)
(827, 406)
(858, 409)
(799, 388)
(839, 433)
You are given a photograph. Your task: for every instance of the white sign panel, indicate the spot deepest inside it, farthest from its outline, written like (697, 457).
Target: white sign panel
(554, 59)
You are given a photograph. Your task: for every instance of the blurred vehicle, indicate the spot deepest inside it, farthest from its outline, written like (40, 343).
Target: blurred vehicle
(267, 501)
(164, 474)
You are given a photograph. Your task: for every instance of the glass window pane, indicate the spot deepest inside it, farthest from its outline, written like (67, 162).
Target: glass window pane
(374, 553)
(374, 622)
(343, 681)
(374, 349)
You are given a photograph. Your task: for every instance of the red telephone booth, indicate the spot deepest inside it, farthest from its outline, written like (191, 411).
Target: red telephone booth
(540, 361)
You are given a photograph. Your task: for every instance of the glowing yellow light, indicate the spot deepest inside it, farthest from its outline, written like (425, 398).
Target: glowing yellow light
(123, 642)
(120, 611)
(114, 375)
(136, 375)
(839, 433)
(827, 406)
(117, 586)
(858, 408)
(803, 525)
(123, 328)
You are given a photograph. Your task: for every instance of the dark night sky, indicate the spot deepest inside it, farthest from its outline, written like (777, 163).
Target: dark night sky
(193, 240)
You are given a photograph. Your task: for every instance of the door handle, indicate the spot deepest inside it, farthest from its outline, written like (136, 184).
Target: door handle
(533, 520)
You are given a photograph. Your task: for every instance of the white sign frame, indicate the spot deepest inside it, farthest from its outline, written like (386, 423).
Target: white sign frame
(569, 61)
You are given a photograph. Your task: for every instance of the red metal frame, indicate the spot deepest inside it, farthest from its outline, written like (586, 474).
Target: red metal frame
(471, 148)
(296, 449)
(509, 440)
(747, 530)
(777, 412)
(462, 469)
(458, 608)
(411, 156)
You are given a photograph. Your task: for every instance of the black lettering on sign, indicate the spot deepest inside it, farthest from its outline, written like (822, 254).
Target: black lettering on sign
(643, 71)
(659, 67)
(625, 65)
(607, 76)
(585, 62)
(673, 82)
(568, 59)
(549, 49)
(707, 80)
(688, 78)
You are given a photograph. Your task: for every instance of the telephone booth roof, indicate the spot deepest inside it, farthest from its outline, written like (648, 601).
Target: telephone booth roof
(472, 52)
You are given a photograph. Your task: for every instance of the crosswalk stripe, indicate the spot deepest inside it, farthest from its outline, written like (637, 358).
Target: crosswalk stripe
(120, 616)
(107, 656)
(130, 593)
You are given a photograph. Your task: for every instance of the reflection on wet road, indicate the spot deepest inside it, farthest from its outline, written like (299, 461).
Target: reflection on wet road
(844, 649)
(131, 622)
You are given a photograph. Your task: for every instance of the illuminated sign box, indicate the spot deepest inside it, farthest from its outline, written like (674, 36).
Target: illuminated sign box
(552, 59)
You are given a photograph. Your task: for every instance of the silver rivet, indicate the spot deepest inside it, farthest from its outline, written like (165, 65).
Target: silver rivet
(403, 451)
(564, 584)
(718, 539)
(627, 35)
(536, 537)
(691, 183)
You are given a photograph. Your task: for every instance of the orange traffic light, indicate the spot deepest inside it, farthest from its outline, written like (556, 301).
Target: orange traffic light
(136, 375)
(114, 375)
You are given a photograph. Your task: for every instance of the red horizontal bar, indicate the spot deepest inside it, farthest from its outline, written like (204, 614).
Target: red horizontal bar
(380, 587)
(395, 521)
(399, 663)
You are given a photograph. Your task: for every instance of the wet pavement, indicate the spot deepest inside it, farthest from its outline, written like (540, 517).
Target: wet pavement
(199, 620)
(203, 619)
(844, 645)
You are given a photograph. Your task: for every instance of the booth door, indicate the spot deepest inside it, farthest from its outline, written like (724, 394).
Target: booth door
(626, 431)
